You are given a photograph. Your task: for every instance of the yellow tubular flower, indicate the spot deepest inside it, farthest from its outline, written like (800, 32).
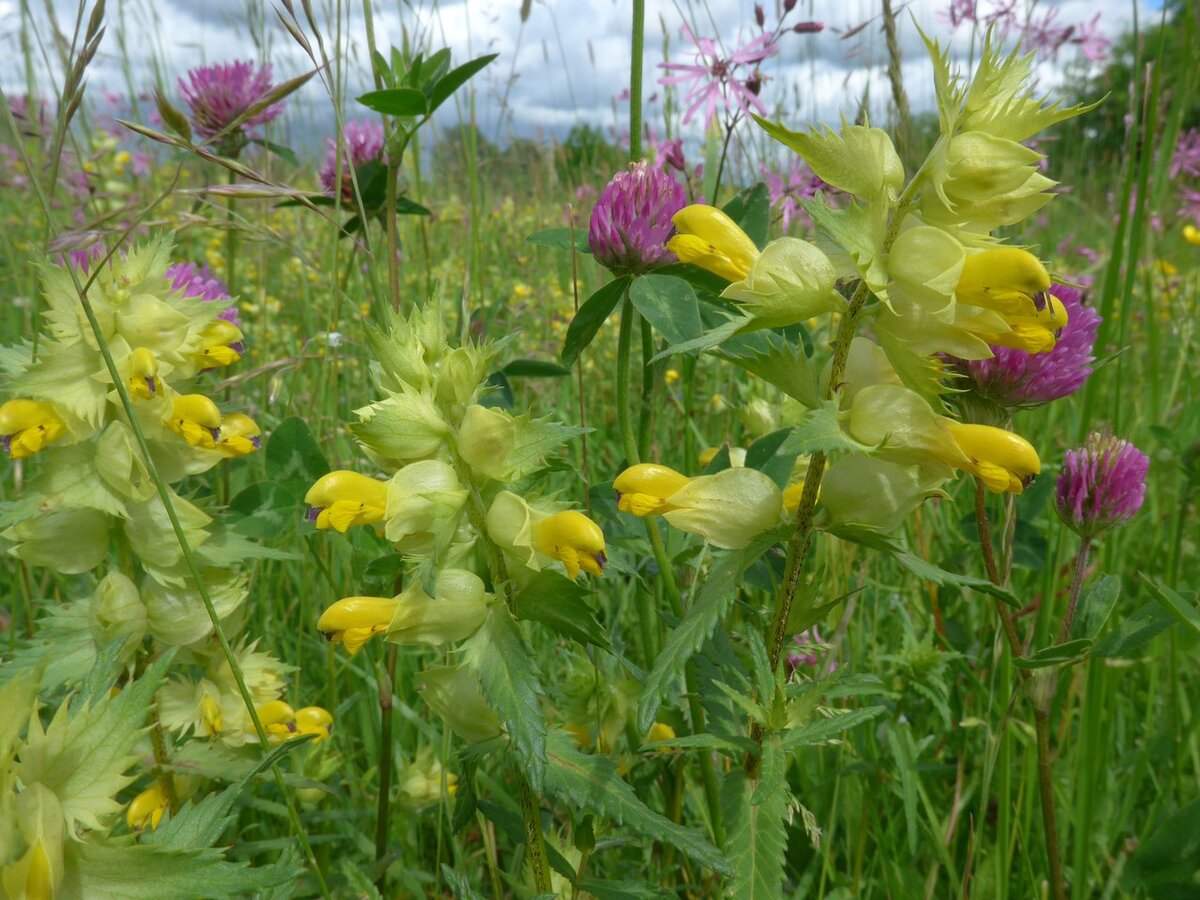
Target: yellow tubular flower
(143, 380)
(210, 715)
(355, 620)
(196, 419)
(708, 238)
(1005, 462)
(643, 489)
(239, 435)
(1007, 280)
(221, 345)
(1191, 234)
(27, 426)
(314, 720)
(1036, 334)
(660, 731)
(342, 499)
(573, 539)
(147, 808)
(278, 719)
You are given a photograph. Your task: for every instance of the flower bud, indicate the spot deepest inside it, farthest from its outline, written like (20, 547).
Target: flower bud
(790, 282)
(116, 610)
(485, 439)
(453, 694)
(424, 503)
(1102, 484)
(147, 808)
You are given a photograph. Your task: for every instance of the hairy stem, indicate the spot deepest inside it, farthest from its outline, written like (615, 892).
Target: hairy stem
(383, 809)
(531, 811)
(1081, 561)
(1041, 720)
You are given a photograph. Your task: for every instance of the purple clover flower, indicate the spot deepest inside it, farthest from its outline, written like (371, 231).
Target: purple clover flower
(363, 141)
(717, 81)
(632, 220)
(1102, 484)
(805, 652)
(199, 281)
(788, 187)
(218, 94)
(1014, 378)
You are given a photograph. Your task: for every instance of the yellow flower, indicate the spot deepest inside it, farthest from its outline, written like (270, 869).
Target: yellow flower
(737, 457)
(671, 376)
(1191, 234)
(643, 489)
(342, 499)
(239, 435)
(1007, 280)
(314, 720)
(142, 381)
(211, 715)
(196, 419)
(574, 540)
(1166, 268)
(147, 808)
(27, 426)
(355, 620)
(278, 719)
(660, 731)
(1034, 334)
(1005, 462)
(708, 238)
(221, 345)
(728, 509)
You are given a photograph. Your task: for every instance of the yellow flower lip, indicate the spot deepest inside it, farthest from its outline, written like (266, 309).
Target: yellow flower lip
(708, 238)
(27, 426)
(355, 620)
(342, 499)
(1005, 462)
(143, 379)
(1007, 280)
(645, 489)
(222, 345)
(240, 435)
(573, 539)
(196, 419)
(147, 808)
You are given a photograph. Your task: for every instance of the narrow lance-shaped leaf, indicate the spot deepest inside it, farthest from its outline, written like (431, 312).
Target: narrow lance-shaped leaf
(455, 79)
(591, 315)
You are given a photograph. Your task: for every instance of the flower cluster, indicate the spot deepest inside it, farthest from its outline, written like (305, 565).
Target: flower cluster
(89, 490)
(1102, 484)
(632, 219)
(362, 142)
(219, 95)
(448, 460)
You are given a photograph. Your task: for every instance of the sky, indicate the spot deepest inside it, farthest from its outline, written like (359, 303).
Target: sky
(566, 64)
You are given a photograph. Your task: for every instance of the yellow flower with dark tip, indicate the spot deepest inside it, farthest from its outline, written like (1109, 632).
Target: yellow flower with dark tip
(314, 720)
(147, 808)
(1005, 462)
(27, 426)
(239, 435)
(343, 499)
(643, 489)
(1007, 280)
(708, 238)
(355, 620)
(211, 715)
(196, 419)
(278, 719)
(142, 381)
(221, 345)
(574, 540)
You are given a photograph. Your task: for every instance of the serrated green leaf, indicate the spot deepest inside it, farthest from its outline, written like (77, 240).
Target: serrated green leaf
(712, 602)
(757, 835)
(508, 676)
(1059, 655)
(402, 102)
(899, 739)
(777, 361)
(452, 81)
(593, 783)
(713, 337)
(929, 572)
(591, 315)
(624, 890)
(83, 756)
(820, 431)
(824, 729)
(859, 230)
(561, 605)
(460, 884)
(17, 699)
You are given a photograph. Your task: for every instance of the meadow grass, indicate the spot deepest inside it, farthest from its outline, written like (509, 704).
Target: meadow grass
(938, 795)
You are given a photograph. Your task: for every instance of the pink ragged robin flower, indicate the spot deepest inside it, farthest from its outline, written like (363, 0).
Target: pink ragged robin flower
(719, 83)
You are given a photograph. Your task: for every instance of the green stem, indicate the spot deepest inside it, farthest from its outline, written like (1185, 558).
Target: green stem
(1081, 561)
(532, 813)
(1041, 720)
(666, 570)
(637, 43)
(383, 810)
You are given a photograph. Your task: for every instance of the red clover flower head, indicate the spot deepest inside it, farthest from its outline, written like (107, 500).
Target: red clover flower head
(1102, 484)
(363, 141)
(632, 220)
(218, 94)
(1013, 378)
(199, 281)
